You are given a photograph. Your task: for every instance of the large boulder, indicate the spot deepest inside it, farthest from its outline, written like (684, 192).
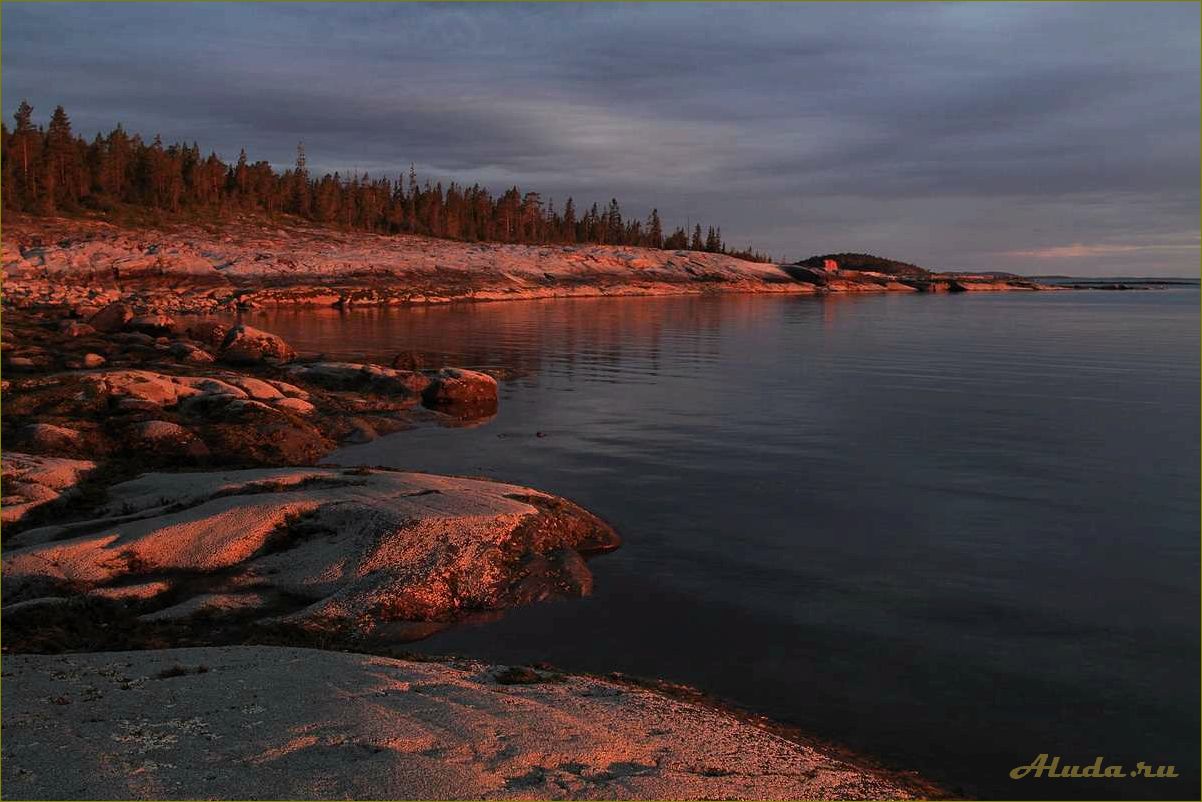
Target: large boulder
(297, 405)
(190, 352)
(257, 388)
(209, 332)
(408, 360)
(49, 437)
(347, 550)
(456, 387)
(141, 385)
(111, 318)
(155, 325)
(245, 345)
(167, 438)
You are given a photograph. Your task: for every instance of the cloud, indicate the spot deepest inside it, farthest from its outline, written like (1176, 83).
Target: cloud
(939, 133)
(1082, 251)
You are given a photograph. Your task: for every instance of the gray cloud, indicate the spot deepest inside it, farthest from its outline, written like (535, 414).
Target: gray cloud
(1008, 136)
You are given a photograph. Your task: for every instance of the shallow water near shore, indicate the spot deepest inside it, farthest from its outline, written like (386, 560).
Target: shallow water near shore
(953, 532)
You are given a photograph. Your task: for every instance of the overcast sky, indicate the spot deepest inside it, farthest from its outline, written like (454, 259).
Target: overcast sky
(1041, 138)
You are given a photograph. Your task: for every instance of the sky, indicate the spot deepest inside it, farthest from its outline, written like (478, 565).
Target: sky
(1039, 138)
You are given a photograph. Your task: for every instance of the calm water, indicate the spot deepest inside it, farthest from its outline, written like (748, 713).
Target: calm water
(950, 531)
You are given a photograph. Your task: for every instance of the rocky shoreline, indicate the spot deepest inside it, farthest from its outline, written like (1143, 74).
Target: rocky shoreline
(163, 724)
(82, 264)
(142, 468)
(163, 492)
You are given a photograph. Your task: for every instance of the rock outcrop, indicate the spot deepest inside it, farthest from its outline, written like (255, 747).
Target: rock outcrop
(456, 387)
(48, 437)
(31, 481)
(345, 550)
(246, 345)
(225, 723)
(247, 265)
(363, 378)
(111, 318)
(254, 264)
(156, 325)
(115, 395)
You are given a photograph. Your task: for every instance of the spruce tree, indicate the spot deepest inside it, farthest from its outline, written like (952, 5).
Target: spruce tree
(655, 230)
(300, 183)
(25, 143)
(61, 158)
(569, 221)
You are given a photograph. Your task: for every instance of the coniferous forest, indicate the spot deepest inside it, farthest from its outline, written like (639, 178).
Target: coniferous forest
(52, 170)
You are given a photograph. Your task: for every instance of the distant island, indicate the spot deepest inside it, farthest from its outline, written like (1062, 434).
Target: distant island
(866, 261)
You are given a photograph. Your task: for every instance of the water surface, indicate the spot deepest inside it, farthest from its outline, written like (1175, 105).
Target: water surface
(950, 531)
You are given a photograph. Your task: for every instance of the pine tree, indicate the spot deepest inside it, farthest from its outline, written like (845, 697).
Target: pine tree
(678, 241)
(242, 174)
(62, 158)
(614, 232)
(569, 221)
(655, 230)
(8, 166)
(300, 183)
(411, 201)
(26, 145)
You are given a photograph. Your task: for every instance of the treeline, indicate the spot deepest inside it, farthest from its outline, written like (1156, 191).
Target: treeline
(52, 170)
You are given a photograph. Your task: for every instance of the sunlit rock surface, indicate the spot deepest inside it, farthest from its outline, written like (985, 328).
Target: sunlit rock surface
(31, 480)
(348, 550)
(93, 264)
(228, 723)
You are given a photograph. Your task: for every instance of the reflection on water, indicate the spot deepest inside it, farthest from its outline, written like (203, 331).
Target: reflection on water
(954, 532)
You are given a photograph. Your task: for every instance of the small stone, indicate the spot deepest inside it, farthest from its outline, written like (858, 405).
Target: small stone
(247, 345)
(257, 388)
(290, 390)
(161, 433)
(47, 436)
(243, 405)
(410, 360)
(188, 352)
(74, 329)
(209, 332)
(153, 325)
(298, 405)
(137, 405)
(111, 318)
(198, 356)
(361, 432)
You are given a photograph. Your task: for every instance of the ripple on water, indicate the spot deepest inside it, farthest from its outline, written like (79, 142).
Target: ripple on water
(952, 531)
